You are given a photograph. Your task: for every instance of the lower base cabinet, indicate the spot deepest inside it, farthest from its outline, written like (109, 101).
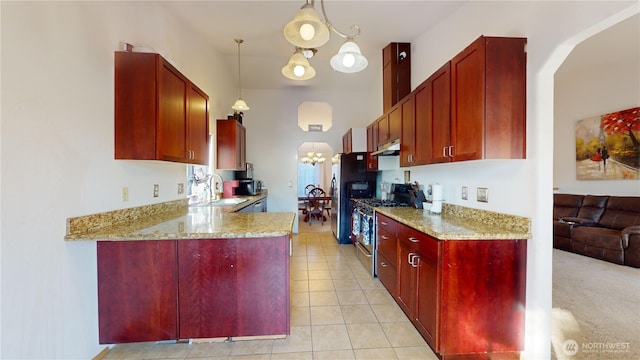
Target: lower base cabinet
(465, 297)
(150, 290)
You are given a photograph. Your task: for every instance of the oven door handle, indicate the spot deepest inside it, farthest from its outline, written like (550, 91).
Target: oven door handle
(363, 249)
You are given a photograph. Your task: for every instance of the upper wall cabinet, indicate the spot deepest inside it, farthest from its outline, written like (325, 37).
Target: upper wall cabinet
(231, 147)
(159, 113)
(396, 74)
(488, 100)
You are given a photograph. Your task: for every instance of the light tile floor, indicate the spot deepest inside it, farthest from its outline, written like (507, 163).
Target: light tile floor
(338, 311)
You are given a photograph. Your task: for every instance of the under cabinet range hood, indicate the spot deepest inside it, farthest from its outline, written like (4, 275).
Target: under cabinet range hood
(389, 149)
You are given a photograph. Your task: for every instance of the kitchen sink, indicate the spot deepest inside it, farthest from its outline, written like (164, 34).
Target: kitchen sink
(228, 201)
(223, 202)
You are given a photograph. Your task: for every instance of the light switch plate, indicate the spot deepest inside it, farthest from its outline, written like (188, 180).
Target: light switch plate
(483, 195)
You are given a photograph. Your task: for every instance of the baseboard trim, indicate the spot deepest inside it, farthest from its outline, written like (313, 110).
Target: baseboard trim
(102, 354)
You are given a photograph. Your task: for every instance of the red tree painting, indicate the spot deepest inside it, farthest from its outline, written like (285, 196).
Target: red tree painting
(608, 146)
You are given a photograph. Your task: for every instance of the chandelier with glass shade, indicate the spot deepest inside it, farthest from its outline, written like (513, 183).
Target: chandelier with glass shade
(313, 157)
(307, 32)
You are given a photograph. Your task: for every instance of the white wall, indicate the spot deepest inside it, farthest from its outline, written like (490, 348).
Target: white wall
(57, 145)
(57, 158)
(585, 94)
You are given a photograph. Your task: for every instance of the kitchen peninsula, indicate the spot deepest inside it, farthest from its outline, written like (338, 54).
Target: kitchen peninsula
(172, 271)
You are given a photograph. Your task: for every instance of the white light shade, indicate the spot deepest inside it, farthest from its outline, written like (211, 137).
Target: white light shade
(298, 64)
(240, 105)
(306, 30)
(349, 59)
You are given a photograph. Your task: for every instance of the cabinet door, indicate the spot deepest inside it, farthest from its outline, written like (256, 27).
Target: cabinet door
(263, 286)
(432, 113)
(408, 134)
(198, 127)
(407, 258)
(383, 129)
(137, 297)
(372, 143)
(173, 90)
(347, 142)
(230, 145)
(426, 315)
(208, 288)
(395, 123)
(467, 102)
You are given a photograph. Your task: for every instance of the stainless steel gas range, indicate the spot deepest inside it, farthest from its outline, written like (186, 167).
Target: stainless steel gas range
(363, 223)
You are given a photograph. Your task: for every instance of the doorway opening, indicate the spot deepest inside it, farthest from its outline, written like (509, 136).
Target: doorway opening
(314, 171)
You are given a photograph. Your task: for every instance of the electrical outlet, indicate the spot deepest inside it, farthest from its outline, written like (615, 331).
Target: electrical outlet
(465, 195)
(125, 193)
(156, 190)
(180, 188)
(483, 195)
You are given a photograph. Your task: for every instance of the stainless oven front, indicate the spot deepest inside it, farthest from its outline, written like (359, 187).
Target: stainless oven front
(363, 229)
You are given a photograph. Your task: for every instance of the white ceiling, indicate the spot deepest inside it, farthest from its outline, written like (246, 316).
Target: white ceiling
(265, 51)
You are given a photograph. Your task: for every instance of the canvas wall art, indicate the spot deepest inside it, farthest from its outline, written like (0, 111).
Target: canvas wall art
(608, 147)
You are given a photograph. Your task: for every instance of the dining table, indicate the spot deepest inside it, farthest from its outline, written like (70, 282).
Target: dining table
(305, 199)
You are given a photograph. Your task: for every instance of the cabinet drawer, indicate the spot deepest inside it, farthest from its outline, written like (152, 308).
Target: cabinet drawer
(387, 224)
(422, 243)
(388, 246)
(387, 273)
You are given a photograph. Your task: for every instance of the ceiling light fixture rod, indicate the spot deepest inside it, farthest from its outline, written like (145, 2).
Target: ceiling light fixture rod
(240, 104)
(333, 28)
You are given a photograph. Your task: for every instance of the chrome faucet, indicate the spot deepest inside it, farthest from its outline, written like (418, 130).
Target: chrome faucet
(213, 188)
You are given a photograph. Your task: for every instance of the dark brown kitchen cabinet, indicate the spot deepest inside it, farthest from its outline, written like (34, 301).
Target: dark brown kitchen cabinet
(387, 253)
(396, 73)
(452, 288)
(488, 100)
(347, 142)
(432, 125)
(418, 282)
(137, 291)
(151, 290)
(231, 146)
(159, 113)
(233, 287)
(410, 138)
(372, 145)
(390, 125)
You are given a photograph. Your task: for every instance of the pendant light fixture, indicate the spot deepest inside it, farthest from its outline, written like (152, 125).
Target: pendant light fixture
(307, 31)
(240, 105)
(298, 67)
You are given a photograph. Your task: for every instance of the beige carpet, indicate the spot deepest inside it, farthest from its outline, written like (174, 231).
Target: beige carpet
(596, 309)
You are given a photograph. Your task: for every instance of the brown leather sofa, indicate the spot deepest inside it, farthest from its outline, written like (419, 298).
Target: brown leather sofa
(602, 227)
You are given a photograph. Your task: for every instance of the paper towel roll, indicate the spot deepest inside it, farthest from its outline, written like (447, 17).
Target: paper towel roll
(436, 192)
(436, 207)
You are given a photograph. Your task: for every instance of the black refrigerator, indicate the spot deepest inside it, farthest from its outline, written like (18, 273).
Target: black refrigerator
(350, 179)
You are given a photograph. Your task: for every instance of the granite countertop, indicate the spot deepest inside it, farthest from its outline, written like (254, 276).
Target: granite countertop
(177, 220)
(460, 223)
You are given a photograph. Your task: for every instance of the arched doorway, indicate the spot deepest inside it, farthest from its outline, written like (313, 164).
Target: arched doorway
(314, 170)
